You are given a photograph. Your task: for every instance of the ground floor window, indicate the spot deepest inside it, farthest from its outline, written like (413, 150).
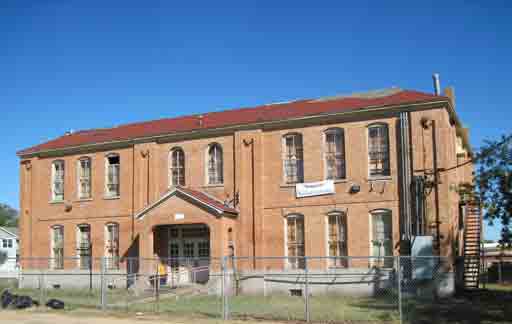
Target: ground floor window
(382, 238)
(57, 248)
(84, 247)
(188, 244)
(295, 241)
(112, 246)
(337, 239)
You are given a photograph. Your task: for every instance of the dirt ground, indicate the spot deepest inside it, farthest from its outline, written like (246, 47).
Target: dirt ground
(95, 317)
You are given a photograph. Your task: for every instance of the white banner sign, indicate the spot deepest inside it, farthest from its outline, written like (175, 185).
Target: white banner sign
(314, 188)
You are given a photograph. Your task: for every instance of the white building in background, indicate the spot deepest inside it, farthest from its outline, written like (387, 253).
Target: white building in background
(8, 252)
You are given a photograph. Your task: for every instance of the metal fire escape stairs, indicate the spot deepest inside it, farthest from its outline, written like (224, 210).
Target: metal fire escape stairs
(472, 242)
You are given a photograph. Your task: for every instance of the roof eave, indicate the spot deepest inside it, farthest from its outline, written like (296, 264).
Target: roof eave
(129, 142)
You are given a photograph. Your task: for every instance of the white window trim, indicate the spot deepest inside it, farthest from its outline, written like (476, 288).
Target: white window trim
(52, 245)
(53, 178)
(207, 163)
(170, 166)
(327, 250)
(287, 264)
(370, 242)
(324, 150)
(78, 241)
(78, 184)
(106, 246)
(379, 177)
(283, 152)
(108, 194)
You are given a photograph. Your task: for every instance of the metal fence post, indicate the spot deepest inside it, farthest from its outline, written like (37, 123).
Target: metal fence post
(102, 284)
(225, 300)
(399, 270)
(306, 289)
(41, 287)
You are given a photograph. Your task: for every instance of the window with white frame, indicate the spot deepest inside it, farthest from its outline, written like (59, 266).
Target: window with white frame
(293, 164)
(57, 248)
(84, 247)
(113, 169)
(215, 164)
(378, 150)
(295, 241)
(334, 154)
(6, 243)
(112, 245)
(337, 239)
(58, 180)
(177, 167)
(84, 178)
(382, 237)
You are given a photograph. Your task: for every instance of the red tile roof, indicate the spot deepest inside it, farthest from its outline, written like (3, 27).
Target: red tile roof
(200, 197)
(264, 113)
(207, 199)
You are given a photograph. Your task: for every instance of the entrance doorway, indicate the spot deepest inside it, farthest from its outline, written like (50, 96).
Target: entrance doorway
(189, 252)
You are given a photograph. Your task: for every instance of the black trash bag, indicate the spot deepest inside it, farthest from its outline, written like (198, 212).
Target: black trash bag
(22, 302)
(7, 298)
(55, 304)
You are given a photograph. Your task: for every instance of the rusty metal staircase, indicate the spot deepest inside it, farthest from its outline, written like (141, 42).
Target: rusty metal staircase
(472, 241)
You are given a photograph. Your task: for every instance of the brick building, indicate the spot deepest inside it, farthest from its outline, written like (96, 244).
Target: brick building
(321, 177)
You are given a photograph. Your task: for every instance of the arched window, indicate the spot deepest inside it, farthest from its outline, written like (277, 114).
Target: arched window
(337, 239)
(112, 245)
(58, 180)
(295, 241)
(215, 164)
(177, 167)
(382, 237)
(83, 246)
(57, 247)
(334, 154)
(378, 150)
(112, 178)
(84, 178)
(293, 164)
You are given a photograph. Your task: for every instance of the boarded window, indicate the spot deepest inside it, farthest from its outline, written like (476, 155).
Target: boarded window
(295, 241)
(177, 167)
(334, 154)
(293, 164)
(378, 150)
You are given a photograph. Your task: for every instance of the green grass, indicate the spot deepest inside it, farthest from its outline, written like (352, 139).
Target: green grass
(495, 286)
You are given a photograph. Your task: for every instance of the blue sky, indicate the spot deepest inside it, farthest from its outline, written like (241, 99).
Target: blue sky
(83, 64)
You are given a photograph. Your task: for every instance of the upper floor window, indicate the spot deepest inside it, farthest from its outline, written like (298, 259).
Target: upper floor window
(295, 241)
(84, 178)
(337, 239)
(293, 164)
(378, 150)
(334, 154)
(57, 247)
(58, 180)
(113, 168)
(177, 167)
(215, 164)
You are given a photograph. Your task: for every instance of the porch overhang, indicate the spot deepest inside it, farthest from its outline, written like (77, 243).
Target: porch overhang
(200, 198)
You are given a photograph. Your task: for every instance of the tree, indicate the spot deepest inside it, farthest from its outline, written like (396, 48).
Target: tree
(493, 184)
(8, 216)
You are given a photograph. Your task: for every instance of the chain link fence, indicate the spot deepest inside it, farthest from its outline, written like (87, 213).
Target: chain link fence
(312, 289)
